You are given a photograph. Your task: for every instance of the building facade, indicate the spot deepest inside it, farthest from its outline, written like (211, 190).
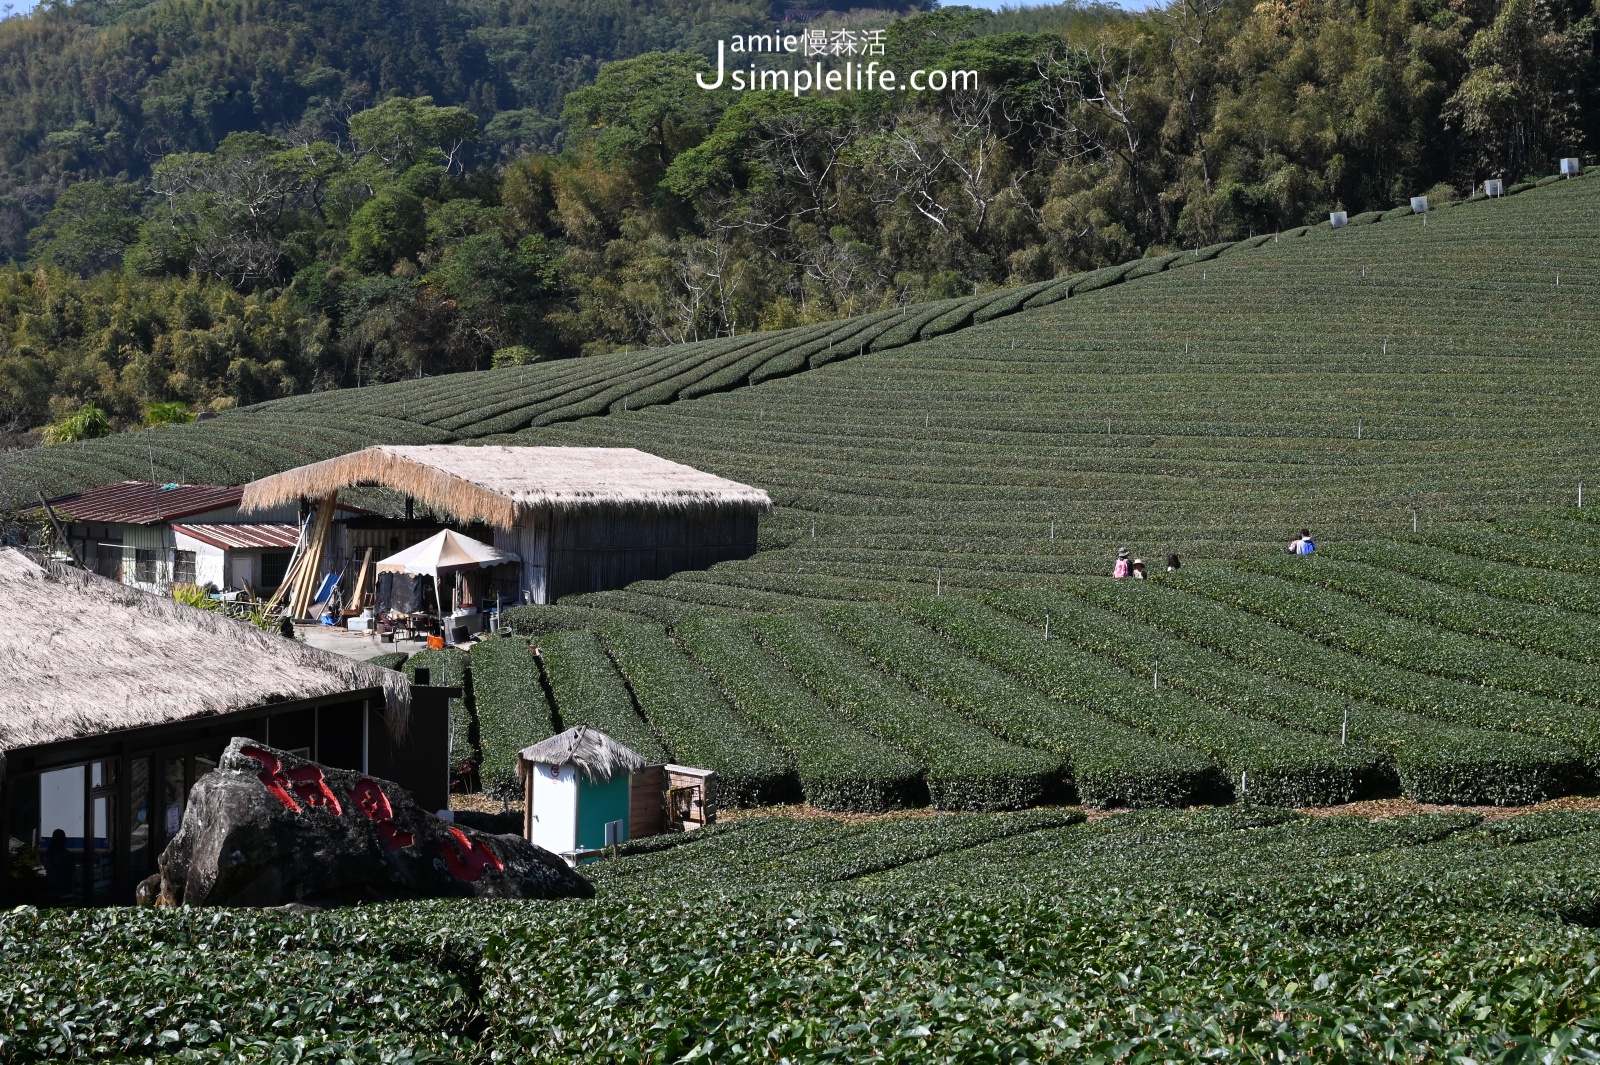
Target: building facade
(153, 536)
(116, 701)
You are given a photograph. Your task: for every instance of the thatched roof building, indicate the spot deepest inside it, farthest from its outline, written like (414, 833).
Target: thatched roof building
(115, 701)
(597, 756)
(87, 656)
(499, 485)
(580, 519)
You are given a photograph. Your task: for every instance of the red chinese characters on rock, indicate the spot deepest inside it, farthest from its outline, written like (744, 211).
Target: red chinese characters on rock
(311, 788)
(306, 782)
(370, 800)
(277, 784)
(467, 859)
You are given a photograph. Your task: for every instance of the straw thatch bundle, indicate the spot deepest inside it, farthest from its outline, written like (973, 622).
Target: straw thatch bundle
(496, 484)
(84, 655)
(597, 756)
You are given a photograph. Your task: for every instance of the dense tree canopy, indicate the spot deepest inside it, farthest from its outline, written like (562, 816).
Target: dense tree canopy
(398, 238)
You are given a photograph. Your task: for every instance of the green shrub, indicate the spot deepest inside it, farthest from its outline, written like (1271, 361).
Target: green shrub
(698, 725)
(968, 768)
(1428, 759)
(1428, 724)
(1264, 762)
(1111, 765)
(87, 424)
(588, 690)
(841, 767)
(535, 621)
(392, 660)
(513, 712)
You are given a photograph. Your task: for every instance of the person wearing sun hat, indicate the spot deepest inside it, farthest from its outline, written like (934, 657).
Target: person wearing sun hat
(1121, 568)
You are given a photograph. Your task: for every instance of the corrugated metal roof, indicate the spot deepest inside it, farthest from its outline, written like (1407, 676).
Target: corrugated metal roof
(143, 503)
(243, 536)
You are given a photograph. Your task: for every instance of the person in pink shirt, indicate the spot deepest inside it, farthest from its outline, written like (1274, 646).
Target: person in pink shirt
(1121, 568)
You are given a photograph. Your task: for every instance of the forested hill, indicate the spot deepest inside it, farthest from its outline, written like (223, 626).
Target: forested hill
(101, 88)
(215, 204)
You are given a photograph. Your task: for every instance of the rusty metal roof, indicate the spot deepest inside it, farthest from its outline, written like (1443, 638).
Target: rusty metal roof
(143, 503)
(240, 537)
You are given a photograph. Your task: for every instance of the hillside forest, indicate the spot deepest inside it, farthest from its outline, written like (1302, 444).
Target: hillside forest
(431, 189)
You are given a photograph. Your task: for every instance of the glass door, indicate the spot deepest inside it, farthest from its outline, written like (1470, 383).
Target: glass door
(60, 836)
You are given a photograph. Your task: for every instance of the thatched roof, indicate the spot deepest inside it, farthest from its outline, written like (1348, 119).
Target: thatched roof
(83, 655)
(598, 756)
(495, 484)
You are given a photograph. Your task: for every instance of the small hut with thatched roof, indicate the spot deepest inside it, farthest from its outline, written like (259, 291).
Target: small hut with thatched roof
(579, 787)
(115, 700)
(581, 519)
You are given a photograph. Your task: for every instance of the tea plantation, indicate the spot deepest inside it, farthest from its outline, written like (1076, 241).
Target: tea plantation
(929, 628)
(929, 622)
(1238, 934)
(1367, 670)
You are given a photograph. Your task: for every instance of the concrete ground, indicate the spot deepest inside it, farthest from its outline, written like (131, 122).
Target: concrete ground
(357, 645)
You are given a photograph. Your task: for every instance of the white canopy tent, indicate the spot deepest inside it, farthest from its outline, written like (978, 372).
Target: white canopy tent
(447, 552)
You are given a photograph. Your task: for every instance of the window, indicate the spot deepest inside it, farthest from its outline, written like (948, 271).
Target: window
(104, 837)
(140, 852)
(274, 566)
(64, 835)
(144, 566)
(108, 560)
(183, 567)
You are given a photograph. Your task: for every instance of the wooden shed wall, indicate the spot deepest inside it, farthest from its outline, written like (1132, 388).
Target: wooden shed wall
(647, 803)
(529, 540)
(603, 547)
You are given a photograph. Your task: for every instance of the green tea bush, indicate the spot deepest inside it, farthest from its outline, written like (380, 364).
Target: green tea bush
(221, 985)
(1339, 620)
(1427, 759)
(588, 690)
(1561, 548)
(1503, 580)
(1507, 759)
(1010, 301)
(1128, 749)
(536, 621)
(392, 660)
(906, 329)
(513, 712)
(969, 768)
(1153, 935)
(841, 766)
(696, 722)
(1544, 630)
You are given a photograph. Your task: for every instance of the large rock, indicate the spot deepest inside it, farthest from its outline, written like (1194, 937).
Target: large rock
(267, 828)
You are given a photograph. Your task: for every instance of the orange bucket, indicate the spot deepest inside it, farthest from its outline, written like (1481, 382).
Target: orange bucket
(436, 643)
